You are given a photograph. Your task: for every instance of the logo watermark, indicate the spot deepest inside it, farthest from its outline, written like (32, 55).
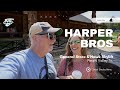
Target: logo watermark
(8, 21)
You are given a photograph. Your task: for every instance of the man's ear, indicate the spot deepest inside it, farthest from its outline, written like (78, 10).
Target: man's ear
(36, 38)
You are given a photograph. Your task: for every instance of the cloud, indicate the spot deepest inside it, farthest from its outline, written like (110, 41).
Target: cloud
(107, 14)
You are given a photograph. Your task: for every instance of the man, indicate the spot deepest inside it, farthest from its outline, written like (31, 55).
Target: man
(34, 62)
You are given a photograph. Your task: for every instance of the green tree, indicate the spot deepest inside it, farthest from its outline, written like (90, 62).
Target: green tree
(102, 26)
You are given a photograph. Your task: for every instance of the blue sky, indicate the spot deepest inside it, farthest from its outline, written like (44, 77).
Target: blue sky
(102, 14)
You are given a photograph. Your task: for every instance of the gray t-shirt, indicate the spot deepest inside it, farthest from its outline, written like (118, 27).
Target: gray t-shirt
(26, 64)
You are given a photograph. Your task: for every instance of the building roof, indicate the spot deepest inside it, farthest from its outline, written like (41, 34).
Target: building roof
(67, 14)
(80, 18)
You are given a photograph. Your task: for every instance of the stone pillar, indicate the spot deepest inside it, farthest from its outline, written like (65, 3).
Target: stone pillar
(93, 14)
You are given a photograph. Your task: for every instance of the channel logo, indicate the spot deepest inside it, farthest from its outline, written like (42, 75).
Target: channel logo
(8, 21)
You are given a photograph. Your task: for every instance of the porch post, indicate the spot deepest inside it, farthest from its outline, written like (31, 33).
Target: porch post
(31, 18)
(94, 24)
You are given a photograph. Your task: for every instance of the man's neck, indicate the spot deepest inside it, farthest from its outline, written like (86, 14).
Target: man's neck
(39, 53)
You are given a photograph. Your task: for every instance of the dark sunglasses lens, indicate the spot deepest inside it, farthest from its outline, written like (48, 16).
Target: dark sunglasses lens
(52, 36)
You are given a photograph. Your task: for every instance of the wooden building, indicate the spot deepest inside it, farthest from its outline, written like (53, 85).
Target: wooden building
(15, 35)
(24, 19)
(18, 24)
(61, 19)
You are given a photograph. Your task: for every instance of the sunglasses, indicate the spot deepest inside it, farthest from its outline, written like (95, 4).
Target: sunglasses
(50, 36)
(74, 42)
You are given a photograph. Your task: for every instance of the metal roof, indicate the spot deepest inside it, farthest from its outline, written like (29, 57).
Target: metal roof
(80, 18)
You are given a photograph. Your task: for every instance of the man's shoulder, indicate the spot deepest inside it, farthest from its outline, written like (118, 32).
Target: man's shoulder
(19, 56)
(19, 53)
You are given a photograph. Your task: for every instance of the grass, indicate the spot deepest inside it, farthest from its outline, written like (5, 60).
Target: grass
(115, 34)
(103, 38)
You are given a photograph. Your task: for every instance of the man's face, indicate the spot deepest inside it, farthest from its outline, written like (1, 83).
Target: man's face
(45, 42)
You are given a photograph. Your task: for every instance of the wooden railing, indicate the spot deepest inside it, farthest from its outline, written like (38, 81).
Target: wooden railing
(10, 34)
(8, 45)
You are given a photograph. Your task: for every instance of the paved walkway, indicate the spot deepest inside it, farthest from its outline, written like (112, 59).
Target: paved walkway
(108, 49)
(96, 51)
